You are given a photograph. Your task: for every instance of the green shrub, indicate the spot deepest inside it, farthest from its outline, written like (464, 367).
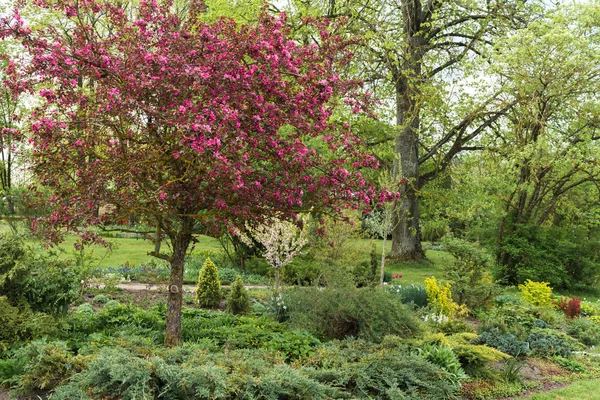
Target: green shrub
(398, 375)
(557, 255)
(445, 358)
(468, 273)
(410, 294)
(48, 365)
(100, 299)
(208, 292)
(114, 373)
(238, 301)
(547, 344)
(369, 313)
(585, 330)
(304, 270)
(20, 325)
(47, 284)
(505, 342)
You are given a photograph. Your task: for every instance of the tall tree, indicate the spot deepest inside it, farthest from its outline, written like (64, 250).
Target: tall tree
(196, 126)
(551, 140)
(416, 53)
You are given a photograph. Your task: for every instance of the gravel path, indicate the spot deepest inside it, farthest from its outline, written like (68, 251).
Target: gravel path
(140, 287)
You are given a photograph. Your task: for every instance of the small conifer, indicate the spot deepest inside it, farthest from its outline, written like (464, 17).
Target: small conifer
(238, 301)
(208, 292)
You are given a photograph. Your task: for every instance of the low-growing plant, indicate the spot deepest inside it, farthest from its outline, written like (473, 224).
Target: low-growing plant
(48, 365)
(100, 299)
(536, 293)
(548, 343)
(505, 342)
(444, 357)
(369, 313)
(586, 331)
(511, 369)
(208, 292)
(410, 294)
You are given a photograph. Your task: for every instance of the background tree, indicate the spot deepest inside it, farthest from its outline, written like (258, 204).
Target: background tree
(196, 126)
(422, 56)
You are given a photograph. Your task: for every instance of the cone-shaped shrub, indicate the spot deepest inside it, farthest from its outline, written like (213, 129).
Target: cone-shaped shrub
(238, 301)
(208, 293)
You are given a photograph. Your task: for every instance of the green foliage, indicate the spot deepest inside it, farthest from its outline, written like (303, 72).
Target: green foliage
(586, 331)
(559, 256)
(304, 270)
(569, 364)
(369, 313)
(46, 284)
(440, 297)
(23, 324)
(536, 293)
(48, 364)
(238, 301)
(114, 373)
(511, 369)
(547, 343)
(444, 357)
(410, 294)
(490, 389)
(208, 292)
(505, 342)
(100, 299)
(468, 273)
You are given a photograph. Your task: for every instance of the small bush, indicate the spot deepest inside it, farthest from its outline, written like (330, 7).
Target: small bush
(23, 324)
(441, 298)
(445, 358)
(100, 299)
(536, 293)
(505, 342)
(208, 292)
(571, 308)
(547, 344)
(369, 313)
(48, 365)
(238, 301)
(587, 332)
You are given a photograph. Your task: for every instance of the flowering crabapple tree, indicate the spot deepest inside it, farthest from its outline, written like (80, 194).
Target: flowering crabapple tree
(282, 240)
(195, 126)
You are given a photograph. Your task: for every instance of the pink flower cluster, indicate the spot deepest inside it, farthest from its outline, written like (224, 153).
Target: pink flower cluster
(396, 276)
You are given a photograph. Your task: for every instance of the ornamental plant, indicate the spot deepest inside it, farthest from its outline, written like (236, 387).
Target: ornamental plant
(282, 241)
(238, 301)
(193, 126)
(570, 307)
(536, 293)
(440, 297)
(208, 291)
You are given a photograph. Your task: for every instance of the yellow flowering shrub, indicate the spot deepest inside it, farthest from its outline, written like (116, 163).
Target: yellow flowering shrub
(536, 293)
(441, 298)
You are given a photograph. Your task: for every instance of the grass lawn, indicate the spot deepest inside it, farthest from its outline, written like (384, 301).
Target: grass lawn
(578, 391)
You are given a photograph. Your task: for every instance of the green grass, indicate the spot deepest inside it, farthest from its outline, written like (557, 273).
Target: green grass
(577, 391)
(132, 251)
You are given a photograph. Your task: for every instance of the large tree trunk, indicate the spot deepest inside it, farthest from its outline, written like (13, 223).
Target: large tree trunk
(406, 234)
(180, 244)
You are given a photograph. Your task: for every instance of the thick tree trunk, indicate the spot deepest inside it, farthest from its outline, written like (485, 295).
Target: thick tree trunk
(382, 270)
(406, 234)
(175, 297)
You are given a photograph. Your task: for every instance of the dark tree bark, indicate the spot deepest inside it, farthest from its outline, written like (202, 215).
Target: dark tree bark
(180, 243)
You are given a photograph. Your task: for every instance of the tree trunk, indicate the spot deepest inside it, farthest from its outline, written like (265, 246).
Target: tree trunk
(157, 239)
(175, 297)
(406, 235)
(382, 270)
